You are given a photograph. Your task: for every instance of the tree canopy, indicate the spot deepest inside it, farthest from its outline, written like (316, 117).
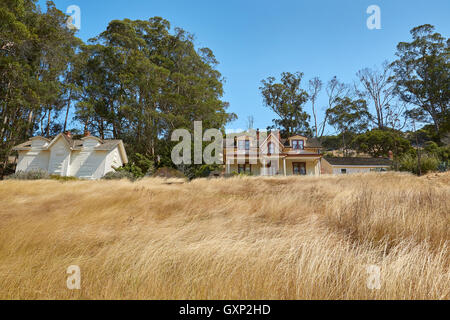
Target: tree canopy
(422, 78)
(287, 99)
(137, 80)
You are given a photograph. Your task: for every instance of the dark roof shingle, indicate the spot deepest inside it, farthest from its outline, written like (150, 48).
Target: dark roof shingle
(352, 161)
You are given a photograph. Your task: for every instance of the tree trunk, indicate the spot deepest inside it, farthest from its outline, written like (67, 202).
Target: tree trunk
(67, 111)
(315, 118)
(48, 123)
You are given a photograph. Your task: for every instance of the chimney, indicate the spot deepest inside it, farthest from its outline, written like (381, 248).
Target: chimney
(257, 138)
(87, 133)
(69, 134)
(391, 155)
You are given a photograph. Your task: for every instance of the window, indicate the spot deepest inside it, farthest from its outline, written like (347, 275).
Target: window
(244, 145)
(245, 168)
(343, 171)
(298, 144)
(271, 148)
(299, 168)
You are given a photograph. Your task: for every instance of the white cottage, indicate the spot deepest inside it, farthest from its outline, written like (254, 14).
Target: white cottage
(87, 158)
(351, 165)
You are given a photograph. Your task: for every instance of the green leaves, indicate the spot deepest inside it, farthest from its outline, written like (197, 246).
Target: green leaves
(139, 81)
(378, 143)
(422, 76)
(349, 115)
(287, 100)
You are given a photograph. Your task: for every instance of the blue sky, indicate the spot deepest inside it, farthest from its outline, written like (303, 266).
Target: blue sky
(253, 40)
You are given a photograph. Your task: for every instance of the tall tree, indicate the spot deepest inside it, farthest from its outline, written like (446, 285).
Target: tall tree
(35, 48)
(349, 117)
(378, 88)
(141, 81)
(287, 99)
(422, 76)
(335, 90)
(314, 88)
(379, 143)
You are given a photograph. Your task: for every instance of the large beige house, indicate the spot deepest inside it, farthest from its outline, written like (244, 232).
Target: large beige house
(272, 155)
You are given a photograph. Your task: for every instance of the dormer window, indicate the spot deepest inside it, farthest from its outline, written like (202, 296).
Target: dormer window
(271, 148)
(298, 144)
(244, 145)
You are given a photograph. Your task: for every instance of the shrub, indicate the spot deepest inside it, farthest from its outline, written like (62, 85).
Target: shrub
(166, 172)
(140, 166)
(119, 175)
(131, 169)
(428, 163)
(63, 179)
(378, 143)
(444, 166)
(29, 175)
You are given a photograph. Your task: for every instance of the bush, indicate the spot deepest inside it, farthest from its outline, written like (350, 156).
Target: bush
(29, 175)
(131, 169)
(199, 171)
(166, 172)
(428, 163)
(140, 166)
(63, 179)
(443, 153)
(119, 175)
(444, 166)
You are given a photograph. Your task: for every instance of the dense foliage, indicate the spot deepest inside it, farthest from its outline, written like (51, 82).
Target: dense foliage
(139, 80)
(136, 81)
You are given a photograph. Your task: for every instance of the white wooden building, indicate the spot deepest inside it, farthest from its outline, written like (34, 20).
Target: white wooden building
(87, 158)
(351, 165)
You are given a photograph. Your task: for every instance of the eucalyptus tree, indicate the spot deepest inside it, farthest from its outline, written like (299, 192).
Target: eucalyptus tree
(35, 49)
(142, 81)
(314, 88)
(422, 77)
(349, 118)
(378, 88)
(287, 99)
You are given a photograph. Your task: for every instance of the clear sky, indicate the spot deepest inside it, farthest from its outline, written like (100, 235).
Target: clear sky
(253, 40)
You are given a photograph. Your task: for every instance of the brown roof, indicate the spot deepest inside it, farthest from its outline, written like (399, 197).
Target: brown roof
(108, 145)
(352, 161)
(75, 144)
(313, 143)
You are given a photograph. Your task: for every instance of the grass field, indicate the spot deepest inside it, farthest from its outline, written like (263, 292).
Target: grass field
(240, 238)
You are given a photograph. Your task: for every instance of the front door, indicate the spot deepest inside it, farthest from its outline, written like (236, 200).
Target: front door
(299, 168)
(58, 161)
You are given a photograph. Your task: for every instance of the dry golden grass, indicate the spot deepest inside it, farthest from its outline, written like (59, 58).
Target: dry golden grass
(240, 238)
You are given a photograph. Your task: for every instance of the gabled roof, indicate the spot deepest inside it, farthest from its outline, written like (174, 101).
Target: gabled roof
(309, 142)
(350, 161)
(105, 145)
(272, 136)
(313, 143)
(297, 136)
(23, 146)
(66, 139)
(40, 138)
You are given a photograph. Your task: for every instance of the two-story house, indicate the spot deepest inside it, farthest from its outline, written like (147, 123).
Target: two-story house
(271, 155)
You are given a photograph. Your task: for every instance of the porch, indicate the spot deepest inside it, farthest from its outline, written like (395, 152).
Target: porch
(281, 166)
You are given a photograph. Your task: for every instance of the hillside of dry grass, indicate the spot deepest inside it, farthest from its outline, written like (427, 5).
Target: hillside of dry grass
(240, 238)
